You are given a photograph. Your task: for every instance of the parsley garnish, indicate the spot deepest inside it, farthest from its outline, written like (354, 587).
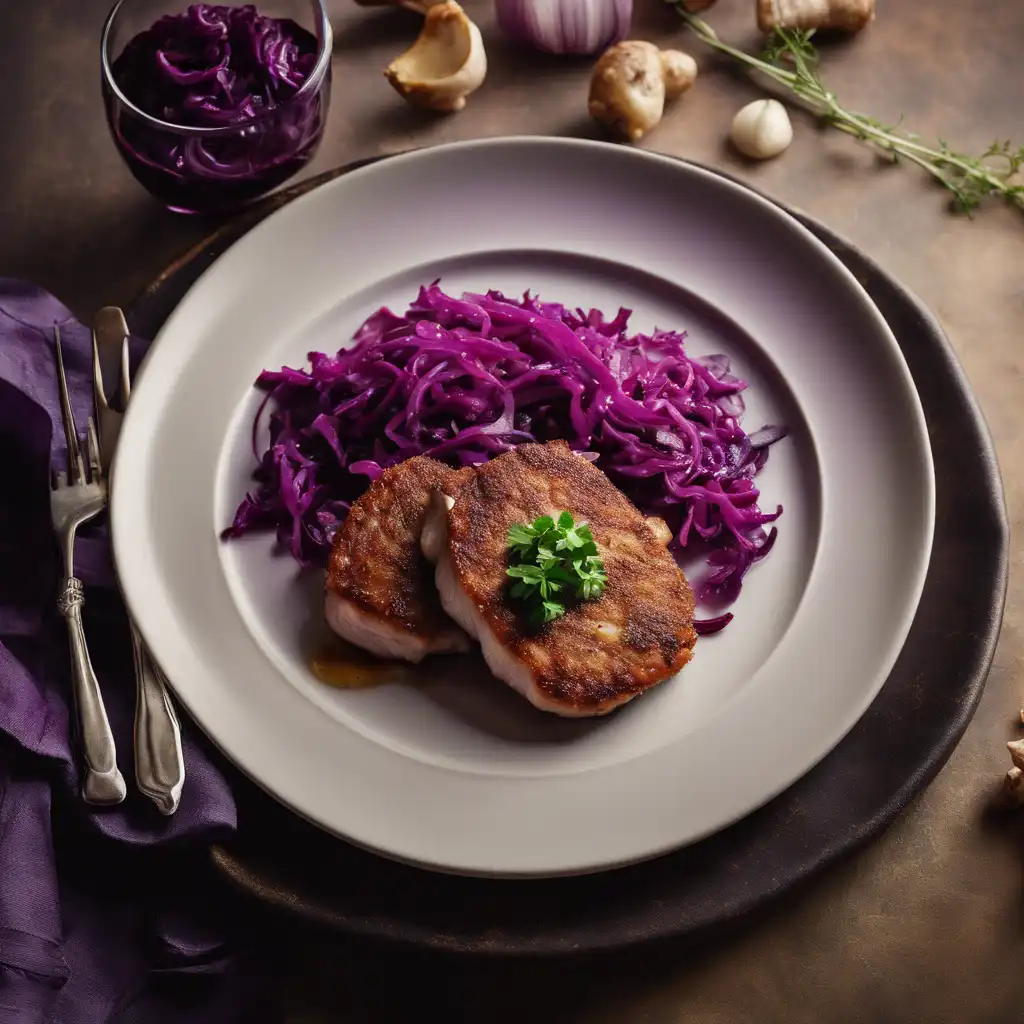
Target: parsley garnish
(552, 561)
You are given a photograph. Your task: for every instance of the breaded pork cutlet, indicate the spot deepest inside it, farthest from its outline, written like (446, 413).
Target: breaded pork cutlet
(599, 654)
(380, 589)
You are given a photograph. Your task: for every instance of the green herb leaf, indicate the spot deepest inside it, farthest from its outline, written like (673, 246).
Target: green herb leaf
(546, 611)
(552, 609)
(553, 556)
(528, 573)
(520, 536)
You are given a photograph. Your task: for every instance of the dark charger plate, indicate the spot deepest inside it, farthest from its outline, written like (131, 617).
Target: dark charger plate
(887, 758)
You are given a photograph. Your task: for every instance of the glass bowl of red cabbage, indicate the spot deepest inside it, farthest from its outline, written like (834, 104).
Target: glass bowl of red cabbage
(214, 105)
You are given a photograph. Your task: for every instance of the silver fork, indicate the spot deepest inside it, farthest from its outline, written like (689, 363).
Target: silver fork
(75, 498)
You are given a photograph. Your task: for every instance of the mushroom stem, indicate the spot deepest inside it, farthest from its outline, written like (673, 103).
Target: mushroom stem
(844, 15)
(631, 84)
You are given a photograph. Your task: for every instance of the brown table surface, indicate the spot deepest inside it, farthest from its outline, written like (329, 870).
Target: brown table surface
(926, 925)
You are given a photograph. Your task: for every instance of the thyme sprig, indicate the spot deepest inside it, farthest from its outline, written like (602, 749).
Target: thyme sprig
(790, 59)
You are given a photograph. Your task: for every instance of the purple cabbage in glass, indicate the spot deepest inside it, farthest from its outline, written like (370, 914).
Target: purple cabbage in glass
(212, 105)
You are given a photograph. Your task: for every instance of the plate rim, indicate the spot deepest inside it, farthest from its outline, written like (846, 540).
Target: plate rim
(241, 860)
(852, 285)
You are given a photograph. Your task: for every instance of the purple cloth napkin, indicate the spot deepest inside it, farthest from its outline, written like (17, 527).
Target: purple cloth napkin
(98, 907)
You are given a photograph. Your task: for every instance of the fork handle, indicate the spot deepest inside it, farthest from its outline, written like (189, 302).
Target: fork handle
(159, 764)
(103, 783)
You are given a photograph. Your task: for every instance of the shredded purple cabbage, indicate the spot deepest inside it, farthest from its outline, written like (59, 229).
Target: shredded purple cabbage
(217, 66)
(464, 380)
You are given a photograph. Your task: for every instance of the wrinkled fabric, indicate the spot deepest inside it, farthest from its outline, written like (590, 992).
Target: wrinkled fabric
(102, 911)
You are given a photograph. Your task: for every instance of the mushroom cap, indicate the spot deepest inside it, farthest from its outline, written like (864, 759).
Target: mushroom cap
(679, 71)
(445, 64)
(627, 89)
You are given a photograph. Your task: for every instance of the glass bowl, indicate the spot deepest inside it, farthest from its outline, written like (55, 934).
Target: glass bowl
(203, 169)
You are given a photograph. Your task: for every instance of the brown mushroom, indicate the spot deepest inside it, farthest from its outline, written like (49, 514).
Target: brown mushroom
(445, 64)
(844, 15)
(632, 82)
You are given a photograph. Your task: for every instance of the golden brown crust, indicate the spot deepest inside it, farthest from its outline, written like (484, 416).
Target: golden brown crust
(376, 560)
(645, 616)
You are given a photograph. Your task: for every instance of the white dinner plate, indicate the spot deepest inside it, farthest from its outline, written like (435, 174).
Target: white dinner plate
(453, 771)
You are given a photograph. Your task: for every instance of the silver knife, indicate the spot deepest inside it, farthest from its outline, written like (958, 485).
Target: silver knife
(159, 764)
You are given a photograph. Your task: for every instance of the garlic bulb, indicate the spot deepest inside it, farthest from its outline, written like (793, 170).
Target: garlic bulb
(565, 26)
(762, 129)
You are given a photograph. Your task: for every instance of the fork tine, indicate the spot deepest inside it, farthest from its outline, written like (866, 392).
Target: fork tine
(60, 479)
(95, 467)
(75, 463)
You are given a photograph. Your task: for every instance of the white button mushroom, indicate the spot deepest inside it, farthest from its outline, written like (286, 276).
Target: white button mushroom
(762, 129)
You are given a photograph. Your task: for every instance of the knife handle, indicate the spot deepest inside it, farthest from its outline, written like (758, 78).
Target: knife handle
(159, 763)
(102, 784)
(110, 333)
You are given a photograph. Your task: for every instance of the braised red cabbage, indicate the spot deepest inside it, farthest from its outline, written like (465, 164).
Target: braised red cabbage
(215, 65)
(218, 66)
(465, 379)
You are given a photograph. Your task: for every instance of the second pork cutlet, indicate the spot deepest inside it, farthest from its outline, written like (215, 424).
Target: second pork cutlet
(380, 589)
